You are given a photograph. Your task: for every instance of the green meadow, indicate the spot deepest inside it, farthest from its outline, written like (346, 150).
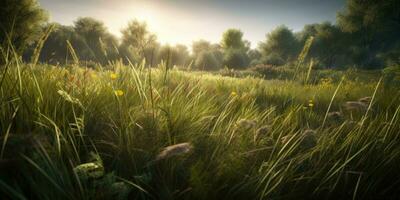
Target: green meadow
(163, 133)
(199, 100)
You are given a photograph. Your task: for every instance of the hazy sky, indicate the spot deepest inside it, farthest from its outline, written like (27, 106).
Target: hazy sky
(182, 21)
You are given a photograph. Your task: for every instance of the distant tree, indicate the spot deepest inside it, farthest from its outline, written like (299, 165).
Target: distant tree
(100, 44)
(254, 57)
(55, 48)
(282, 43)
(235, 49)
(20, 24)
(375, 28)
(329, 45)
(235, 58)
(218, 54)
(232, 39)
(176, 55)
(136, 39)
(206, 53)
(200, 46)
(273, 59)
(309, 30)
(182, 55)
(206, 60)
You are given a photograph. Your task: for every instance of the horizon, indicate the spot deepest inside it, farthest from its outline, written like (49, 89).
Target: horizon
(182, 22)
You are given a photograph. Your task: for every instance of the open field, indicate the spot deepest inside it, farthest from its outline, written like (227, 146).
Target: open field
(78, 133)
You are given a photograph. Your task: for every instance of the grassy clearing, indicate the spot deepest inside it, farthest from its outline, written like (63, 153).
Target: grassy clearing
(247, 138)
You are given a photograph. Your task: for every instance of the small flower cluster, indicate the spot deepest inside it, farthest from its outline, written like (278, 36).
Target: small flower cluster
(310, 104)
(113, 76)
(117, 92)
(326, 81)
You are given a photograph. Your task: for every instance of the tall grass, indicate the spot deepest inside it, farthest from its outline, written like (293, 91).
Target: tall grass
(53, 120)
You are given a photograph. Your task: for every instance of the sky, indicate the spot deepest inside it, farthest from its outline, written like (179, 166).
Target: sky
(184, 21)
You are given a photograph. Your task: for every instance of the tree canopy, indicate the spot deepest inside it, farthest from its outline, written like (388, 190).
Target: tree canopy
(232, 39)
(280, 43)
(98, 41)
(375, 28)
(20, 24)
(136, 38)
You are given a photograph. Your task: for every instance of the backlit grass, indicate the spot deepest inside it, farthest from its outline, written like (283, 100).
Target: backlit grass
(245, 138)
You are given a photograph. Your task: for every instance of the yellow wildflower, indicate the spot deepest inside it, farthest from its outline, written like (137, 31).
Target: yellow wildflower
(113, 76)
(119, 92)
(310, 104)
(233, 93)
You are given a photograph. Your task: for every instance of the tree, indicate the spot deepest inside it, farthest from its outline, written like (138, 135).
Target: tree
(206, 61)
(20, 24)
(282, 43)
(254, 57)
(200, 46)
(55, 49)
(205, 53)
(176, 55)
(374, 28)
(329, 46)
(99, 42)
(232, 39)
(136, 38)
(235, 49)
(236, 58)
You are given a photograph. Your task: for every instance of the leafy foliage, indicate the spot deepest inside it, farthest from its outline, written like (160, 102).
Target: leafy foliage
(136, 39)
(207, 61)
(236, 59)
(282, 43)
(249, 134)
(20, 25)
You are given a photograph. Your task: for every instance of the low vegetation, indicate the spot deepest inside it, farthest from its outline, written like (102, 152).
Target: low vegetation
(130, 132)
(84, 115)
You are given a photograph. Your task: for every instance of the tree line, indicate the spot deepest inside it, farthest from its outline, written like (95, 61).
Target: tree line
(365, 35)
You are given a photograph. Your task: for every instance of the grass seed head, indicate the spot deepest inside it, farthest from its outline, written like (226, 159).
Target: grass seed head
(335, 114)
(355, 105)
(175, 150)
(309, 139)
(262, 131)
(365, 100)
(245, 124)
(309, 132)
(90, 170)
